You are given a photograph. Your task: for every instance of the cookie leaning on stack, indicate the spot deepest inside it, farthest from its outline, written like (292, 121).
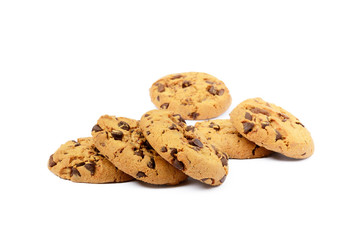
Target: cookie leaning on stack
(184, 147)
(272, 127)
(224, 135)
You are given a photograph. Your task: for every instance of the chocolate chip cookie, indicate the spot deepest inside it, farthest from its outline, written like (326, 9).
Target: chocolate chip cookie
(80, 161)
(226, 138)
(122, 141)
(184, 147)
(193, 95)
(272, 127)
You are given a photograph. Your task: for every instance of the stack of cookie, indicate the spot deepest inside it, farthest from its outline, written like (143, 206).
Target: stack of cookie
(162, 149)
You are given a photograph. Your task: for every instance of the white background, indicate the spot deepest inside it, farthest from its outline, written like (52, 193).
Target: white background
(63, 64)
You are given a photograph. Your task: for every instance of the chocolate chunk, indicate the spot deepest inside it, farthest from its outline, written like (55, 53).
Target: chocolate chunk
(283, 116)
(189, 137)
(148, 133)
(206, 179)
(259, 110)
(161, 87)
(124, 125)
(178, 164)
(214, 126)
(248, 116)
(164, 106)
(220, 92)
(173, 127)
(151, 163)
(239, 135)
(139, 152)
(146, 115)
(224, 161)
(223, 179)
(99, 155)
(186, 84)
(80, 164)
(211, 89)
(163, 149)
(253, 151)
(90, 167)
(76, 143)
(179, 118)
(74, 171)
(209, 82)
(265, 124)
(196, 148)
(299, 123)
(96, 128)
(247, 127)
(190, 128)
(173, 151)
(140, 174)
(176, 76)
(278, 135)
(51, 161)
(117, 135)
(194, 115)
(196, 142)
(158, 98)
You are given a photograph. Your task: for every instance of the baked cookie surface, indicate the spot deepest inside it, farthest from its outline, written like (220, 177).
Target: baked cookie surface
(184, 147)
(193, 95)
(81, 162)
(226, 138)
(122, 141)
(272, 127)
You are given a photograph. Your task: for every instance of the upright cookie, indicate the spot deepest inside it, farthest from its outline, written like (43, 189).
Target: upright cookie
(193, 95)
(184, 147)
(226, 138)
(121, 140)
(81, 162)
(272, 127)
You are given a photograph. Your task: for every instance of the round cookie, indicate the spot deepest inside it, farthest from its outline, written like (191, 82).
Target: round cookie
(184, 147)
(226, 138)
(193, 95)
(272, 127)
(81, 162)
(122, 141)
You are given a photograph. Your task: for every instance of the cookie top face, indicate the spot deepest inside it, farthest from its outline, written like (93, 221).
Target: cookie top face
(122, 141)
(184, 147)
(81, 162)
(193, 95)
(272, 127)
(226, 138)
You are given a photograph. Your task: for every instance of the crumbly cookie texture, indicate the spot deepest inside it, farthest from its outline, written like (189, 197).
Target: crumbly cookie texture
(122, 141)
(193, 95)
(226, 138)
(272, 127)
(80, 161)
(184, 147)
